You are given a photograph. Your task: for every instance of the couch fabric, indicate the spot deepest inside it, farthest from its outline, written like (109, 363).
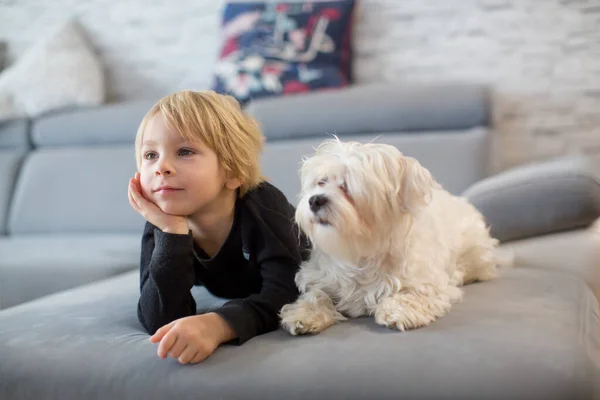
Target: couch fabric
(529, 335)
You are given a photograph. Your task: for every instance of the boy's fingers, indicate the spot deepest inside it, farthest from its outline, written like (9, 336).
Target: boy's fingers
(165, 345)
(161, 332)
(132, 201)
(178, 348)
(200, 356)
(187, 355)
(154, 338)
(139, 200)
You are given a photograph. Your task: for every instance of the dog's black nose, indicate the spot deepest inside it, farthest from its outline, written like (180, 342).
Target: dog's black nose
(316, 202)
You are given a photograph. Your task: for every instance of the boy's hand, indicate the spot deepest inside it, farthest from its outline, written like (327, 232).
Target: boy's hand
(153, 214)
(192, 339)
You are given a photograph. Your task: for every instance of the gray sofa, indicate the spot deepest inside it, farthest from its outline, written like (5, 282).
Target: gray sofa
(69, 254)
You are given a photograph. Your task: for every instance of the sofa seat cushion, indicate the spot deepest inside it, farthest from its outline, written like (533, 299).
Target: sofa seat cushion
(531, 334)
(37, 265)
(575, 252)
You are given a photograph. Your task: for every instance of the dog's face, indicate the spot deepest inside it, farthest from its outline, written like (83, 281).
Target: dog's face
(353, 194)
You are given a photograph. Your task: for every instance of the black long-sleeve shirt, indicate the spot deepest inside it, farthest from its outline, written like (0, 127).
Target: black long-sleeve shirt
(255, 267)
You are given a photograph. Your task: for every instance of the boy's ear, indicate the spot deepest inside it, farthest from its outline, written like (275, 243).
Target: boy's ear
(233, 183)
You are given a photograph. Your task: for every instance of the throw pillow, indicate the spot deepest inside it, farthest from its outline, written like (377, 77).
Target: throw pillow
(61, 71)
(539, 198)
(277, 48)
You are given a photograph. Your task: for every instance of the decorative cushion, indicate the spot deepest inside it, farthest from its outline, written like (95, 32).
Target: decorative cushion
(60, 71)
(539, 198)
(277, 48)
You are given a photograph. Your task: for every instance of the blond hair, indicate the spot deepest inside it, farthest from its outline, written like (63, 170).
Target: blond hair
(219, 122)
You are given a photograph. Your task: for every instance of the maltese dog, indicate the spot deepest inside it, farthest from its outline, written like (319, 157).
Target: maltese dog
(388, 241)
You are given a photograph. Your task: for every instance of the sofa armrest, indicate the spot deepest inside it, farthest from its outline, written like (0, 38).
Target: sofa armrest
(539, 198)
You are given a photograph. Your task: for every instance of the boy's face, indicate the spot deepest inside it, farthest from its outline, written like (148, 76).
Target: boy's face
(179, 176)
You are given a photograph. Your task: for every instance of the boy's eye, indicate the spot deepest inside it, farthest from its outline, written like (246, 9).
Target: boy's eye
(185, 152)
(149, 155)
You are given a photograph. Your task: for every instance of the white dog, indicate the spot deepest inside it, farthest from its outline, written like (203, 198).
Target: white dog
(387, 241)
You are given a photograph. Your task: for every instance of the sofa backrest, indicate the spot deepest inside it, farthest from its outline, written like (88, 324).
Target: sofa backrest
(444, 126)
(14, 144)
(75, 178)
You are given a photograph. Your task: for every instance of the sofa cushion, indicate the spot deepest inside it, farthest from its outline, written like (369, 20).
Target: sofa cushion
(375, 109)
(109, 124)
(75, 189)
(277, 48)
(3, 55)
(60, 71)
(10, 161)
(14, 133)
(33, 266)
(455, 158)
(530, 334)
(539, 198)
(575, 252)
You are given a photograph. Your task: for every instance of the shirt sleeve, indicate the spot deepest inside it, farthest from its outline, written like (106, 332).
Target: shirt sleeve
(278, 253)
(166, 278)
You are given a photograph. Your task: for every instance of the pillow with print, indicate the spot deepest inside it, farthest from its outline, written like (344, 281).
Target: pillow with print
(277, 48)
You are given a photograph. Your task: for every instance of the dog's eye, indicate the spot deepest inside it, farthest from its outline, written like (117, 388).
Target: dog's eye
(322, 182)
(344, 187)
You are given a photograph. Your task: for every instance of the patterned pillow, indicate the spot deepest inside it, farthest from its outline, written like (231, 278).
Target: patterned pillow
(276, 48)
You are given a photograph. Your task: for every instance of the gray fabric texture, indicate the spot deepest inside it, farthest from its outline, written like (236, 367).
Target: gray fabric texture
(456, 159)
(14, 133)
(107, 124)
(539, 198)
(529, 335)
(576, 252)
(3, 55)
(364, 109)
(10, 161)
(75, 189)
(33, 266)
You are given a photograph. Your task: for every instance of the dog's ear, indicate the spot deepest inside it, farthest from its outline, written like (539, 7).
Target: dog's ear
(416, 184)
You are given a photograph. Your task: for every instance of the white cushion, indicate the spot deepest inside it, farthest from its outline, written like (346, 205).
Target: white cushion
(60, 71)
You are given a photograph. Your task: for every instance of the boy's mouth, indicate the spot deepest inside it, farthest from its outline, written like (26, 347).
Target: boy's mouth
(166, 189)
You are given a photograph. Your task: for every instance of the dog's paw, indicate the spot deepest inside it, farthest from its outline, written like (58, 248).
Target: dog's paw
(409, 311)
(416, 308)
(395, 317)
(301, 318)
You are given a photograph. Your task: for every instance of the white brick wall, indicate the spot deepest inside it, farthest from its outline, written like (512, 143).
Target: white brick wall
(541, 56)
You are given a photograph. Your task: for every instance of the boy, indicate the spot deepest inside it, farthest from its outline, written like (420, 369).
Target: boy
(211, 220)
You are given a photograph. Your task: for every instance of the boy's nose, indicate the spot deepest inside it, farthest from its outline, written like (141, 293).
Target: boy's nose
(163, 168)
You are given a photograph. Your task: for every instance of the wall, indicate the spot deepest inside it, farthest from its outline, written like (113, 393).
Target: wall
(541, 56)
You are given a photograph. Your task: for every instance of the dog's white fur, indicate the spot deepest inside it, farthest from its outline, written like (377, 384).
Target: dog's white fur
(389, 242)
